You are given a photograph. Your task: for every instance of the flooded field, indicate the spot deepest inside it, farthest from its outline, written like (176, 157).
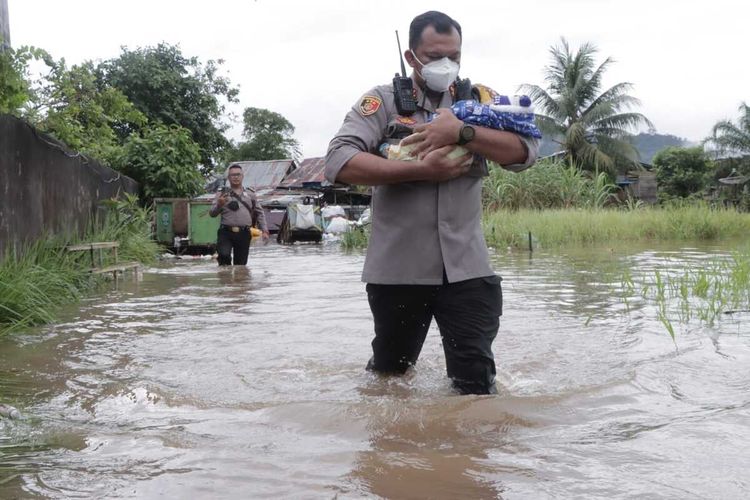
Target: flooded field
(202, 383)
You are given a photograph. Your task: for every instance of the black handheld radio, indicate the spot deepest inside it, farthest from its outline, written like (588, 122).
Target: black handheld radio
(464, 90)
(403, 88)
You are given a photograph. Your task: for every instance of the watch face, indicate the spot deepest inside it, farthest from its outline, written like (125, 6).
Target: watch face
(466, 134)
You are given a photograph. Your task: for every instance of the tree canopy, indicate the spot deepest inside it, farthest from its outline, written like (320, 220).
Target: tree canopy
(91, 116)
(84, 113)
(15, 87)
(163, 160)
(152, 113)
(172, 89)
(681, 172)
(590, 125)
(269, 136)
(731, 137)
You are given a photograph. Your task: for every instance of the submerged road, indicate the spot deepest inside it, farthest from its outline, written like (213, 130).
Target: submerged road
(236, 383)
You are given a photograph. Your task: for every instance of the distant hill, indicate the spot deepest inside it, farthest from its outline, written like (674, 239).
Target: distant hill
(650, 144)
(646, 144)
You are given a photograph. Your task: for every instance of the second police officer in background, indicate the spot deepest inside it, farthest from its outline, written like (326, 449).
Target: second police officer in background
(239, 211)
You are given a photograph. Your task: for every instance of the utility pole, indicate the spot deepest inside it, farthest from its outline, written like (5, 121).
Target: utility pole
(4, 25)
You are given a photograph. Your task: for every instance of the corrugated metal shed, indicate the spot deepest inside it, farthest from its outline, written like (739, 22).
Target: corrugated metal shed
(310, 174)
(261, 175)
(644, 185)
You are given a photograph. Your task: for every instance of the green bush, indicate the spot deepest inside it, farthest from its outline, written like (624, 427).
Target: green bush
(548, 184)
(164, 160)
(681, 172)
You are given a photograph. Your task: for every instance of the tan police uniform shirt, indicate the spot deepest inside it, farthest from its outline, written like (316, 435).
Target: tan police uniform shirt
(418, 228)
(241, 216)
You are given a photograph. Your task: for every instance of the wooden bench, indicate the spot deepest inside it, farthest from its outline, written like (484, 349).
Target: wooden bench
(97, 249)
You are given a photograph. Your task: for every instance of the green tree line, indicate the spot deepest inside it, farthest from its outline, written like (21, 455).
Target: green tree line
(160, 117)
(153, 113)
(594, 128)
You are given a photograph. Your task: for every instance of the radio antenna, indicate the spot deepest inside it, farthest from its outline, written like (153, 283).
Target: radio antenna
(401, 56)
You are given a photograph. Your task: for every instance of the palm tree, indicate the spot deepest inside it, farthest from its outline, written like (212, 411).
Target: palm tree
(728, 137)
(587, 124)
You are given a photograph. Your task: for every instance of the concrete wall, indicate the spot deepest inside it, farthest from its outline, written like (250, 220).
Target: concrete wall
(4, 24)
(46, 189)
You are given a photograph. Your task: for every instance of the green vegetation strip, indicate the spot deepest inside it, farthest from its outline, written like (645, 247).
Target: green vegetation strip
(560, 227)
(37, 280)
(554, 228)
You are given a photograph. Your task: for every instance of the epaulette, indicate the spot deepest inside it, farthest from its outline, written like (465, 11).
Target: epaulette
(483, 93)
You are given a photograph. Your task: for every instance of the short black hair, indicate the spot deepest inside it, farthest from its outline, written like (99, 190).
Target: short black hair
(234, 165)
(442, 23)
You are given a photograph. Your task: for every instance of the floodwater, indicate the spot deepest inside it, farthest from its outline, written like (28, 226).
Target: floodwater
(202, 383)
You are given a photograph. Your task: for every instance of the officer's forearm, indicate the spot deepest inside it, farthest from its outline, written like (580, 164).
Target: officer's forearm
(367, 169)
(504, 148)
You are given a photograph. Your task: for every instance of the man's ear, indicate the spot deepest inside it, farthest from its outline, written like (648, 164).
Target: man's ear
(410, 59)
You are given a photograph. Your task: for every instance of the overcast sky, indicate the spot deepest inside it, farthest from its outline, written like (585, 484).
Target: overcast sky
(311, 60)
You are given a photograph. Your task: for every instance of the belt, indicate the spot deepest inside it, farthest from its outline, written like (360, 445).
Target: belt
(235, 229)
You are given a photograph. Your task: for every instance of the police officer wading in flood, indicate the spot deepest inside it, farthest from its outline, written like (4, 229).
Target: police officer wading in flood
(239, 211)
(427, 256)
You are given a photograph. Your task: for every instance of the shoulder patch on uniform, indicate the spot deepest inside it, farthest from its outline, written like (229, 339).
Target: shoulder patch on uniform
(369, 105)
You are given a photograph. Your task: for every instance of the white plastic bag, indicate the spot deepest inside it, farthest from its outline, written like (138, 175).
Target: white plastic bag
(304, 217)
(333, 211)
(337, 225)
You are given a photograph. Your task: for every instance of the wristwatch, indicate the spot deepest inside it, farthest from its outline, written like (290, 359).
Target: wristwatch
(466, 134)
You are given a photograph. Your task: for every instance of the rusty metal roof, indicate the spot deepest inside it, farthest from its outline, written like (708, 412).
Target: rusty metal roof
(265, 174)
(310, 174)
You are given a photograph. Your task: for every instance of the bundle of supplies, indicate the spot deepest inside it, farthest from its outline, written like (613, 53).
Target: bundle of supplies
(511, 113)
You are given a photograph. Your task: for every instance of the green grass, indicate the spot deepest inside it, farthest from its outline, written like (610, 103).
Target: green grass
(38, 279)
(699, 293)
(357, 237)
(561, 227)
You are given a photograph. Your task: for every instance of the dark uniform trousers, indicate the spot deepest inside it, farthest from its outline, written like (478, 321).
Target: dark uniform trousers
(467, 314)
(229, 242)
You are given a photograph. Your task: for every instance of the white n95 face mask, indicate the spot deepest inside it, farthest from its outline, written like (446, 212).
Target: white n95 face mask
(439, 75)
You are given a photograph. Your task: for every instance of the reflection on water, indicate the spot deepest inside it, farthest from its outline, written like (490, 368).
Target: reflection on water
(236, 383)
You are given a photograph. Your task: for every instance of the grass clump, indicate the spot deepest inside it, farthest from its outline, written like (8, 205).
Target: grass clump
(39, 278)
(356, 237)
(700, 292)
(36, 280)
